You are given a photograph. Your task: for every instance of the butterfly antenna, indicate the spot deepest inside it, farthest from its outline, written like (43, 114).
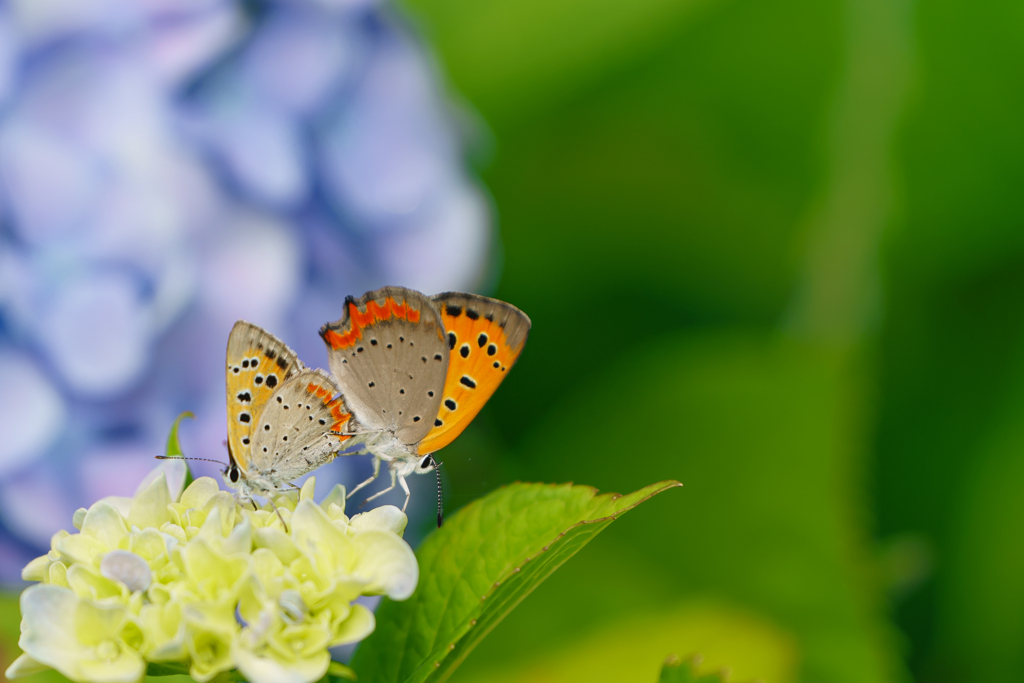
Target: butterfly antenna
(182, 457)
(440, 496)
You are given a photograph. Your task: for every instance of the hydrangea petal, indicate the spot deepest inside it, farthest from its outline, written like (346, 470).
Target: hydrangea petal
(24, 666)
(46, 635)
(174, 473)
(127, 666)
(150, 545)
(316, 535)
(81, 548)
(78, 639)
(96, 624)
(198, 492)
(308, 489)
(36, 569)
(239, 541)
(87, 582)
(359, 624)
(104, 523)
(149, 507)
(232, 585)
(214, 575)
(212, 628)
(127, 568)
(383, 518)
(335, 497)
(211, 654)
(388, 562)
(164, 629)
(224, 503)
(122, 504)
(268, 669)
(57, 575)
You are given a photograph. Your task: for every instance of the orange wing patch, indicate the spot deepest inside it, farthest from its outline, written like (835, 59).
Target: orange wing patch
(359, 320)
(485, 337)
(337, 406)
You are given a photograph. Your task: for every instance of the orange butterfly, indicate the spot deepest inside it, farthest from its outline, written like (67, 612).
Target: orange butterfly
(415, 370)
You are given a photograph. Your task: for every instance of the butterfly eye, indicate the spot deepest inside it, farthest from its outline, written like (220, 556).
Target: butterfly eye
(426, 463)
(233, 475)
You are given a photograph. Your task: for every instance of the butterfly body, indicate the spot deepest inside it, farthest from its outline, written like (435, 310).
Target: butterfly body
(416, 370)
(284, 419)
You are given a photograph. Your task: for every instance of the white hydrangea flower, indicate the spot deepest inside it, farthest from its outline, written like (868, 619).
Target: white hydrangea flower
(192, 580)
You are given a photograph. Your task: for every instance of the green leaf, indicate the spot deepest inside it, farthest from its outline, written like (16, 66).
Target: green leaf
(338, 671)
(167, 669)
(174, 447)
(477, 568)
(676, 670)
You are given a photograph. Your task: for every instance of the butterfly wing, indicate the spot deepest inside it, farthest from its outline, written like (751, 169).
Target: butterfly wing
(296, 431)
(257, 364)
(389, 356)
(485, 337)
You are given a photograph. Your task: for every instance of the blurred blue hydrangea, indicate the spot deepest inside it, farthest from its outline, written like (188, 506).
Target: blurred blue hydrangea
(170, 166)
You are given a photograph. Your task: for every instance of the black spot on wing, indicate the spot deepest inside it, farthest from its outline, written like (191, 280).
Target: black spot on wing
(464, 351)
(481, 340)
(453, 310)
(450, 404)
(468, 381)
(472, 315)
(451, 341)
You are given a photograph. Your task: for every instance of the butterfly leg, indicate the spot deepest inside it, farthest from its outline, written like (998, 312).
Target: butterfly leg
(270, 499)
(376, 473)
(394, 476)
(405, 487)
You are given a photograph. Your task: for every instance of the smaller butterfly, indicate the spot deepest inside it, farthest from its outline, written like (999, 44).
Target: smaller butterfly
(415, 370)
(284, 419)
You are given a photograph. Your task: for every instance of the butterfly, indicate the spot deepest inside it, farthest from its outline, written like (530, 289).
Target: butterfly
(284, 419)
(415, 370)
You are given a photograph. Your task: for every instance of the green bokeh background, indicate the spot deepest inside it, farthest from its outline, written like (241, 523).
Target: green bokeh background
(773, 249)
